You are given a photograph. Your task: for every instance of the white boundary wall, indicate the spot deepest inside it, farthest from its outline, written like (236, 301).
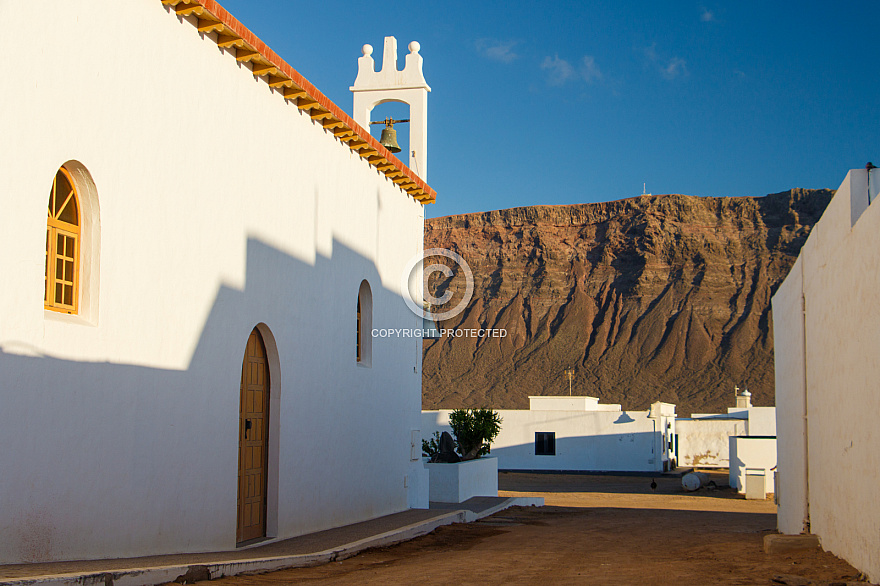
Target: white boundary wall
(704, 443)
(218, 207)
(827, 369)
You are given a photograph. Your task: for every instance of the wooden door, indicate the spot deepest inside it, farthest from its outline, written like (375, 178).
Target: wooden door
(253, 440)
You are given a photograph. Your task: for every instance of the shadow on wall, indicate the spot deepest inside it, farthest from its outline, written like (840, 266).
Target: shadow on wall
(618, 452)
(114, 460)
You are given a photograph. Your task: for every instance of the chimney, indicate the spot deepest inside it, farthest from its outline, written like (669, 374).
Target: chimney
(744, 401)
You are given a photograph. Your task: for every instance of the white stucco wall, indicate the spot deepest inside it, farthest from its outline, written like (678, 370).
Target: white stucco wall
(791, 421)
(762, 421)
(831, 352)
(704, 443)
(625, 441)
(221, 207)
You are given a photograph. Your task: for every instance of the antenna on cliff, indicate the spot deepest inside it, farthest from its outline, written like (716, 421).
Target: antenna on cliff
(644, 190)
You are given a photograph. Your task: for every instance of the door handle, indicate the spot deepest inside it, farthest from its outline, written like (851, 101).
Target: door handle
(247, 426)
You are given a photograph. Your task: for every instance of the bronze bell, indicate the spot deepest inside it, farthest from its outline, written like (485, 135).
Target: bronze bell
(389, 135)
(389, 139)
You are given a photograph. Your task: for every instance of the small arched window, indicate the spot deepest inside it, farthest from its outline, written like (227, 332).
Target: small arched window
(359, 330)
(62, 245)
(364, 348)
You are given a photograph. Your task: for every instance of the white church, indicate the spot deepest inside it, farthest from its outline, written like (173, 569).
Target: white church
(197, 373)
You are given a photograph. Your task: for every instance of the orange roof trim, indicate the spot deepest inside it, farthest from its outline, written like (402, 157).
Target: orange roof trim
(287, 81)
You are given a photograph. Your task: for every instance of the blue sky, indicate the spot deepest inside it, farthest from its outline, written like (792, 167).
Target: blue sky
(574, 102)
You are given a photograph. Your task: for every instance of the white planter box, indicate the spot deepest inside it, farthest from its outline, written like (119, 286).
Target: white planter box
(456, 483)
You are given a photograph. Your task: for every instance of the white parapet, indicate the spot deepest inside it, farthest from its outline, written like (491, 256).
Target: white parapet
(563, 403)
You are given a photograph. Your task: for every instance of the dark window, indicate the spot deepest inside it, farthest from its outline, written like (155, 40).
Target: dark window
(545, 443)
(364, 344)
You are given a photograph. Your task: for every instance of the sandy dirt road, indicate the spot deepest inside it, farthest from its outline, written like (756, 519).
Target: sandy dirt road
(594, 530)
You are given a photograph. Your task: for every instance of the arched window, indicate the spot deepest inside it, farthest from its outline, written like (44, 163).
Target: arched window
(62, 245)
(364, 348)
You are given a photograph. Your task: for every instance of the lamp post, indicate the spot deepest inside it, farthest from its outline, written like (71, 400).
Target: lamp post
(570, 373)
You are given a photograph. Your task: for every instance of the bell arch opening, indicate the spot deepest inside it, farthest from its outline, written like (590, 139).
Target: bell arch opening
(395, 110)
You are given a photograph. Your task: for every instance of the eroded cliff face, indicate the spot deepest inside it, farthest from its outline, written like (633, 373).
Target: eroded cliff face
(651, 298)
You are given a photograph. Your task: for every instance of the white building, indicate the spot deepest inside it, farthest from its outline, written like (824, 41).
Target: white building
(826, 324)
(753, 461)
(704, 438)
(221, 239)
(578, 434)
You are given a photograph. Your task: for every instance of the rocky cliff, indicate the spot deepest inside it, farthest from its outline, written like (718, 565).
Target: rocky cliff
(650, 298)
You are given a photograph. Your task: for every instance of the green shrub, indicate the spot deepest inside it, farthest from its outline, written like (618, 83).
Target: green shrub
(432, 447)
(474, 430)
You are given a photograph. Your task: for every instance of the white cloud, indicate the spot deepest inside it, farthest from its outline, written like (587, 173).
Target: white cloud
(707, 15)
(558, 70)
(589, 70)
(497, 50)
(675, 67)
(669, 68)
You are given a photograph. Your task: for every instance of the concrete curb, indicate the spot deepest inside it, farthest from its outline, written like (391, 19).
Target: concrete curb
(160, 574)
(520, 501)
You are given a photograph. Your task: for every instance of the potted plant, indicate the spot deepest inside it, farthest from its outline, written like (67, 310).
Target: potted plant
(457, 471)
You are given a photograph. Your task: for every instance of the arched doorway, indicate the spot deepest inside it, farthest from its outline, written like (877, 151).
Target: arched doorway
(253, 440)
